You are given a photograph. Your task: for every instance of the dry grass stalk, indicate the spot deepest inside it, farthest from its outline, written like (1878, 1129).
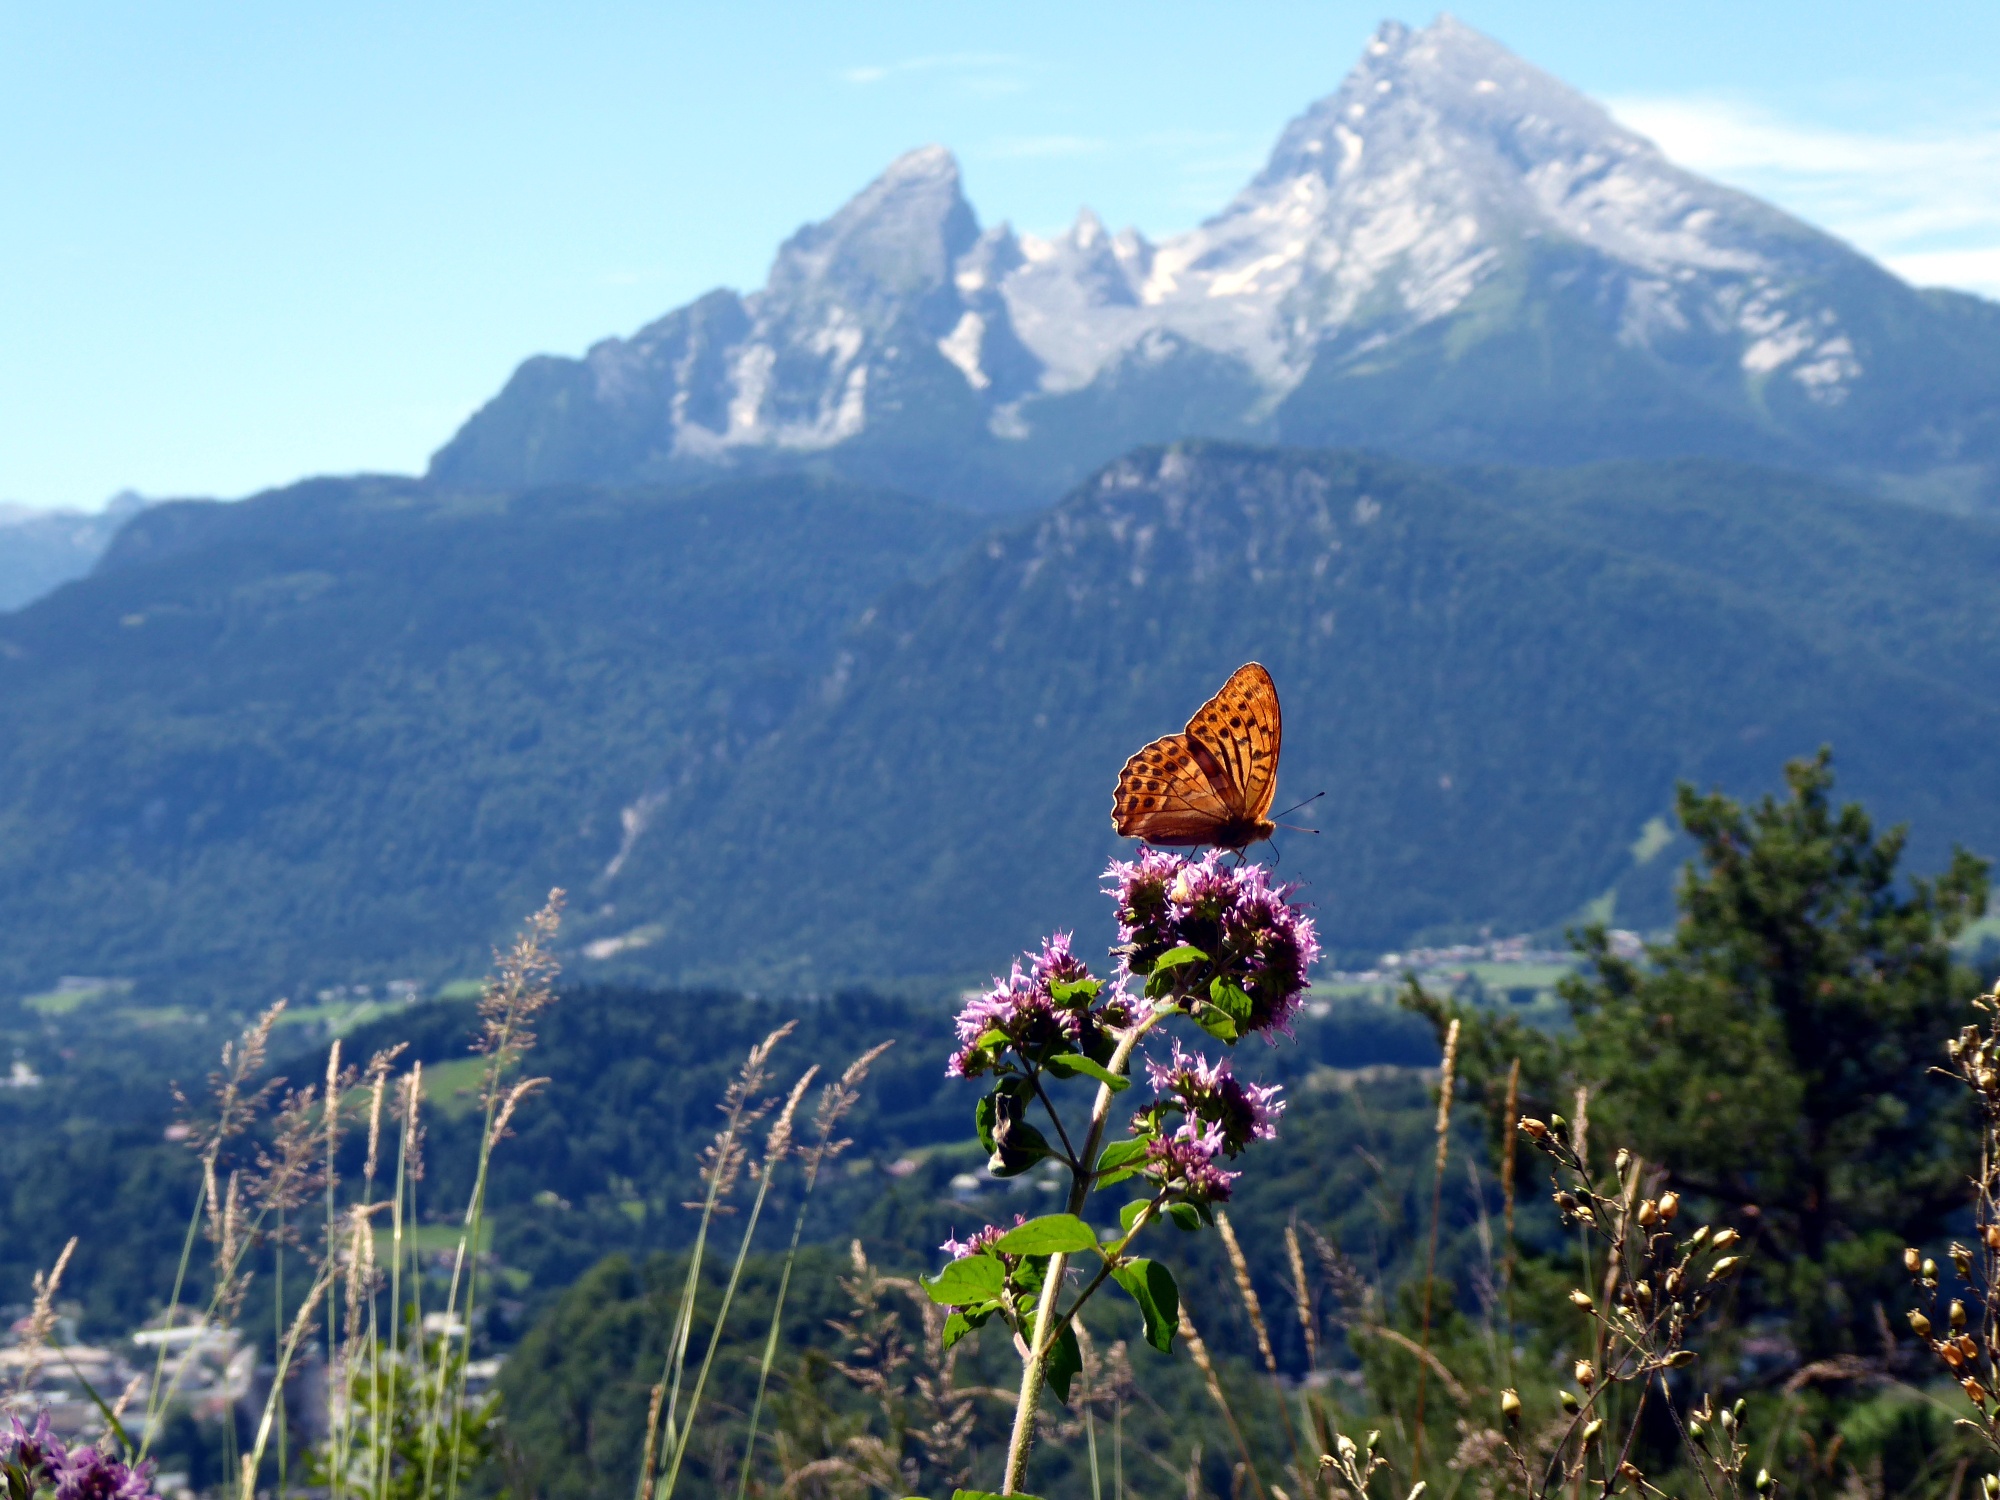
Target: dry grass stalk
(1302, 1293)
(1447, 1079)
(41, 1320)
(1240, 1268)
(522, 986)
(1199, 1350)
(1507, 1143)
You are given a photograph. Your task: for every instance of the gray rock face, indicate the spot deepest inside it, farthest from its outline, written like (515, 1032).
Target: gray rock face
(1454, 255)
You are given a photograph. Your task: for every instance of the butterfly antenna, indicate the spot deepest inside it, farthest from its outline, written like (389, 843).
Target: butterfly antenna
(1297, 805)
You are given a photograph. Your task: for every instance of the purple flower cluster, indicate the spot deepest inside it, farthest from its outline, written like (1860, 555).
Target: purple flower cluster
(1255, 937)
(1188, 1163)
(979, 1239)
(1208, 1092)
(1024, 1011)
(37, 1457)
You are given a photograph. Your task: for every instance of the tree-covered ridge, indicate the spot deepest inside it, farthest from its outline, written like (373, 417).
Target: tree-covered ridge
(769, 730)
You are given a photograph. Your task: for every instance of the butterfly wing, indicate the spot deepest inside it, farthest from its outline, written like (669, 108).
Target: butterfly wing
(1164, 796)
(1235, 736)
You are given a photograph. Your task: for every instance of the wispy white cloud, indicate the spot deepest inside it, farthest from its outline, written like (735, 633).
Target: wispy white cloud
(979, 72)
(1925, 203)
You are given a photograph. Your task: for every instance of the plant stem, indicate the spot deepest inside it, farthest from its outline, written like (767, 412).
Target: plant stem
(1043, 1335)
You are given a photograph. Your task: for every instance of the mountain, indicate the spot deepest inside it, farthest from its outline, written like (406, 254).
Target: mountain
(791, 732)
(354, 730)
(1454, 257)
(1495, 702)
(42, 549)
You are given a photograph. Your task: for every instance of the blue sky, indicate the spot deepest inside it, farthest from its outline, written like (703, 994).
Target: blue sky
(241, 244)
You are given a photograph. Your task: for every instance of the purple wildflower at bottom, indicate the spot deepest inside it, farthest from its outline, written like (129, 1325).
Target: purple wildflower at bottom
(30, 1447)
(89, 1474)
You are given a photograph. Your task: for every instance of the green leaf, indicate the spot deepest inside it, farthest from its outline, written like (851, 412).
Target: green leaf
(1118, 1161)
(1064, 1361)
(1076, 1062)
(1217, 1023)
(983, 1495)
(983, 1119)
(1152, 1287)
(1173, 958)
(968, 1281)
(1066, 990)
(964, 1319)
(1129, 1214)
(992, 1036)
(1230, 997)
(1021, 1149)
(1185, 1216)
(1052, 1234)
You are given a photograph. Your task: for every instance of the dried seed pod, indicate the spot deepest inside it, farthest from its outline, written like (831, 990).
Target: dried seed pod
(1724, 1238)
(1510, 1405)
(1723, 1267)
(1649, 1214)
(1929, 1270)
(1948, 1352)
(1586, 1373)
(1673, 1281)
(1957, 1313)
(1699, 1237)
(1670, 1204)
(1533, 1129)
(1992, 1238)
(1582, 1299)
(1971, 1386)
(1961, 1261)
(1920, 1324)
(1912, 1259)
(1622, 1160)
(1681, 1358)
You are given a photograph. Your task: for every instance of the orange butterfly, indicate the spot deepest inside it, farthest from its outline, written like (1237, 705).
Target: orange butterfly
(1212, 783)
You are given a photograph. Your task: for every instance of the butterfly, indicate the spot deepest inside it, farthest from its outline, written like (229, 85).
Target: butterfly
(1213, 782)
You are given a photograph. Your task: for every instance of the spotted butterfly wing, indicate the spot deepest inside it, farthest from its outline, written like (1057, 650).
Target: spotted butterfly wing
(1213, 782)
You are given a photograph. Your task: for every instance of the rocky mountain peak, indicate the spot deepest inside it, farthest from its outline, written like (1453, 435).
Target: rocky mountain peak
(894, 242)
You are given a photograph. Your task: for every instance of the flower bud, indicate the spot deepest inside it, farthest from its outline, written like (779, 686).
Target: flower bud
(1670, 1204)
(1649, 1214)
(1912, 1259)
(1728, 1420)
(1957, 1314)
(1763, 1481)
(1681, 1358)
(1557, 1122)
(1961, 1261)
(1344, 1446)
(1699, 1237)
(1991, 1485)
(1374, 1437)
(1586, 1373)
(1697, 1428)
(1533, 1129)
(1975, 1390)
(1724, 1238)
(1992, 1238)
(1622, 1160)
(1510, 1405)
(1582, 1299)
(1591, 1429)
(1569, 1402)
(1919, 1324)
(1737, 1409)
(1724, 1266)
(1929, 1269)
(1643, 1295)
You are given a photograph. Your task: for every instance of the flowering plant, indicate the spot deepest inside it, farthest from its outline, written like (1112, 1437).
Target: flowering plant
(33, 1461)
(1205, 939)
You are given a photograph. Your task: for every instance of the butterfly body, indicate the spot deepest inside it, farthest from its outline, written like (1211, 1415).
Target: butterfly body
(1213, 782)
